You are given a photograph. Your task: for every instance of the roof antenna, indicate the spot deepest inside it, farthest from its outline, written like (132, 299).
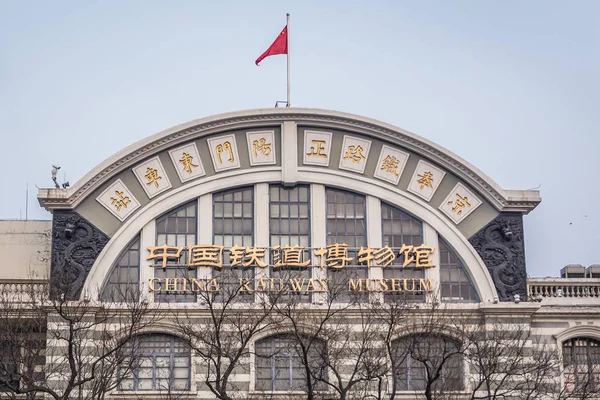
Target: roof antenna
(26, 200)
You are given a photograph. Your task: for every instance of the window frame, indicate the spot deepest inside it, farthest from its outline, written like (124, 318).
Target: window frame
(172, 354)
(396, 267)
(181, 265)
(116, 265)
(238, 271)
(290, 353)
(461, 360)
(353, 269)
(288, 272)
(460, 266)
(16, 364)
(593, 375)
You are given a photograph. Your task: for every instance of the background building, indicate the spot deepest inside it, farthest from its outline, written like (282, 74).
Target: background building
(291, 252)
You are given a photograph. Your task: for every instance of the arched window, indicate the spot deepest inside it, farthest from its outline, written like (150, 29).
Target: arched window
(159, 363)
(581, 361)
(233, 213)
(279, 365)
(177, 228)
(289, 225)
(233, 225)
(456, 285)
(123, 283)
(398, 229)
(9, 366)
(346, 224)
(419, 359)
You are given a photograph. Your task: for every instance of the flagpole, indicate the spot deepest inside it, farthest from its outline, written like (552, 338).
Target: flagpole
(288, 58)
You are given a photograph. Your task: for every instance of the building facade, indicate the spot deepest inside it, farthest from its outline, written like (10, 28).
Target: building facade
(292, 253)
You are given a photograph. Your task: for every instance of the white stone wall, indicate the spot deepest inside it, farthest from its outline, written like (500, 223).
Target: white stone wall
(25, 249)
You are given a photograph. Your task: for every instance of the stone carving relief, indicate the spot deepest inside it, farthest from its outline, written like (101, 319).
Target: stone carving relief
(500, 244)
(75, 245)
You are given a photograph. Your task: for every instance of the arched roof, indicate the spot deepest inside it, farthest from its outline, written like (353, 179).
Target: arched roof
(501, 199)
(461, 203)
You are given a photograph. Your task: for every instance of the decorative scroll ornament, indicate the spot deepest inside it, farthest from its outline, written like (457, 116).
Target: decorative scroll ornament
(75, 245)
(500, 245)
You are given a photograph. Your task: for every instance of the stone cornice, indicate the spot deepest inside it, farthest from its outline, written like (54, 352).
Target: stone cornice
(503, 200)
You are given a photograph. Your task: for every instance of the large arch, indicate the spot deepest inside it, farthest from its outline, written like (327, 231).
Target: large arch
(419, 208)
(289, 129)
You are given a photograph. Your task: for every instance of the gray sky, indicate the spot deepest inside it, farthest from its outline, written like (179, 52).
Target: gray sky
(511, 86)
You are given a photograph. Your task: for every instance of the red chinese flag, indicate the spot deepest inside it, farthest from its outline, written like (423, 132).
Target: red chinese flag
(279, 46)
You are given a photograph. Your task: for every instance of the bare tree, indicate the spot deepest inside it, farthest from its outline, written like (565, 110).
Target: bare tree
(339, 342)
(506, 360)
(428, 352)
(444, 352)
(65, 349)
(392, 318)
(220, 328)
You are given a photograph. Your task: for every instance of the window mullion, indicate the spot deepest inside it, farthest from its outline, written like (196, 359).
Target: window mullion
(204, 231)
(318, 226)
(374, 238)
(430, 238)
(148, 239)
(261, 229)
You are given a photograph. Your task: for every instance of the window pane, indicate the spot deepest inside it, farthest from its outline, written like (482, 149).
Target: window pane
(581, 362)
(163, 364)
(124, 279)
(278, 365)
(455, 283)
(237, 229)
(179, 230)
(400, 228)
(345, 217)
(439, 353)
(289, 223)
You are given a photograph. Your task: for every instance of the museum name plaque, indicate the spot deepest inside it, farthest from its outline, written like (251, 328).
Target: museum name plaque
(336, 257)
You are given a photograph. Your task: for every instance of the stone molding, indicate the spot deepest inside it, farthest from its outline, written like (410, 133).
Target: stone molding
(588, 331)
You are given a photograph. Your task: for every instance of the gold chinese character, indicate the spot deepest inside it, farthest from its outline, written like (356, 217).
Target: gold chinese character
(459, 204)
(334, 255)
(317, 149)
(253, 256)
(390, 164)
(383, 256)
(246, 256)
(205, 255)
(426, 179)
(226, 146)
(187, 162)
(165, 252)
(236, 255)
(354, 153)
(261, 146)
(421, 254)
(152, 176)
(122, 201)
(292, 256)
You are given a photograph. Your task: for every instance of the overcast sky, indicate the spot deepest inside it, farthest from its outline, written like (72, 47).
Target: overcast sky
(511, 86)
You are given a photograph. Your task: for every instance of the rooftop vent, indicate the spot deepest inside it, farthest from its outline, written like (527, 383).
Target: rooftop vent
(573, 271)
(593, 271)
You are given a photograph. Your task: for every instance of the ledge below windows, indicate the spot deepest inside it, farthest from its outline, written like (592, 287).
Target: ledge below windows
(261, 395)
(412, 395)
(153, 394)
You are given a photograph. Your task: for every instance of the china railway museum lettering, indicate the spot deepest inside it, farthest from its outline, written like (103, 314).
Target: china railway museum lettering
(291, 285)
(335, 256)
